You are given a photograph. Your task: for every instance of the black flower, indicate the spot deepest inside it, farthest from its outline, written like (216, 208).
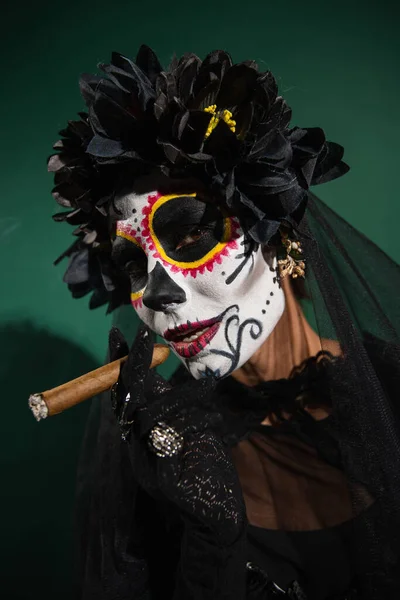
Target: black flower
(221, 123)
(86, 191)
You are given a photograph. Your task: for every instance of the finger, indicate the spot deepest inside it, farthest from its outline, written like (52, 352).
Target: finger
(134, 375)
(117, 344)
(120, 392)
(139, 357)
(117, 349)
(126, 413)
(118, 399)
(136, 370)
(114, 398)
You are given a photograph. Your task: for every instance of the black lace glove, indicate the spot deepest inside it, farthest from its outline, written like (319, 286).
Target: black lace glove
(198, 477)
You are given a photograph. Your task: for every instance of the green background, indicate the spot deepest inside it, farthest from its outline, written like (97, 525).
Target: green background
(336, 64)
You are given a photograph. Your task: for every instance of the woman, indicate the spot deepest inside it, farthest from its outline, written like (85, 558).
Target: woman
(262, 468)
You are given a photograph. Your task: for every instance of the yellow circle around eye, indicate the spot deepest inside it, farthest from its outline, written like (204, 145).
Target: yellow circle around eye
(227, 234)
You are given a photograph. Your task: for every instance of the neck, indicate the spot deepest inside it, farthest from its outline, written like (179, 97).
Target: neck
(290, 343)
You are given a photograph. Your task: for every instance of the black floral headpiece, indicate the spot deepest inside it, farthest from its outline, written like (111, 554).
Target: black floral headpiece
(220, 123)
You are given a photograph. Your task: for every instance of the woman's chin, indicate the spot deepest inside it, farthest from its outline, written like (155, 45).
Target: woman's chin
(207, 366)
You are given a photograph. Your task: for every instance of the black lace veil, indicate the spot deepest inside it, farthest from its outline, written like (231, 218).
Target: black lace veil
(354, 291)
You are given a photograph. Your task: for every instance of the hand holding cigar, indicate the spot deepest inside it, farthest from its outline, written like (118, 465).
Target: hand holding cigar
(55, 401)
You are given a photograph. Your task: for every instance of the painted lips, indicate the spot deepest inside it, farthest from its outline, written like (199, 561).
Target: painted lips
(189, 338)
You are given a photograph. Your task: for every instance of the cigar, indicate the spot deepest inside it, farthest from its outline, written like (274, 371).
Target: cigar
(55, 401)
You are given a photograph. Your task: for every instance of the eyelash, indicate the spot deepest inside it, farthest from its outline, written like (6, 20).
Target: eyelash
(192, 234)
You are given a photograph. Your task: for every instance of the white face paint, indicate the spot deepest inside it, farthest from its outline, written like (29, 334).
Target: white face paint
(196, 280)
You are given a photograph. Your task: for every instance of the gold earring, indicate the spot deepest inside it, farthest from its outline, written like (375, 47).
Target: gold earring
(293, 264)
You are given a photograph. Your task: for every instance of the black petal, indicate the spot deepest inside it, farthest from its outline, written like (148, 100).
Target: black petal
(266, 89)
(223, 145)
(147, 60)
(172, 153)
(206, 96)
(128, 66)
(78, 268)
(330, 165)
(193, 130)
(160, 105)
(187, 77)
(237, 86)
(58, 162)
(136, 84)
(166, 83)
(218, 57)
(60, 217)
(87, 85)
(110, 119)
(262, 231)
(66, 193)
(213, 67)
(104, 147)
(204, 78)
(244, 118)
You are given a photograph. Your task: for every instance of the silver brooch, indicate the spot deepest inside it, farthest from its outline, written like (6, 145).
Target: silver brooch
(165, 441)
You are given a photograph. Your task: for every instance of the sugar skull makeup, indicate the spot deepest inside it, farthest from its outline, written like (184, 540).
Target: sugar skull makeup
(196, 279)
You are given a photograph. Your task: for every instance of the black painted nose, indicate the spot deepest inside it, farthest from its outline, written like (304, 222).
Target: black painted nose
(161, 291)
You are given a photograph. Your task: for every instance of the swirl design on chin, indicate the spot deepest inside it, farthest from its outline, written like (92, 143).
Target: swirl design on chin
(234, 331)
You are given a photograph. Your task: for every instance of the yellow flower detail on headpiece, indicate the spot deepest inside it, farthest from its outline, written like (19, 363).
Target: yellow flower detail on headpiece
(217, 115)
